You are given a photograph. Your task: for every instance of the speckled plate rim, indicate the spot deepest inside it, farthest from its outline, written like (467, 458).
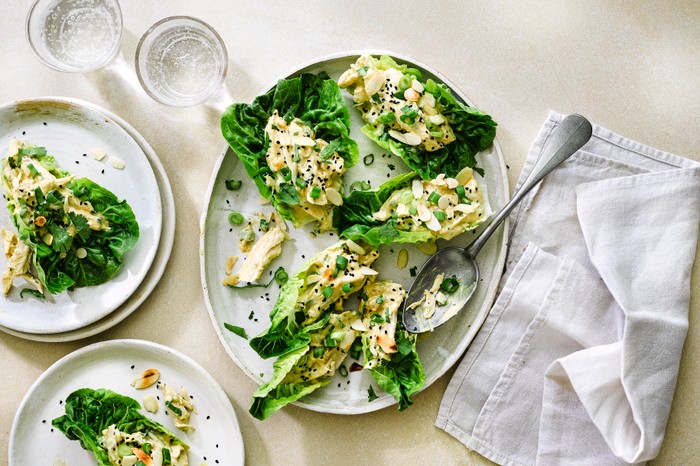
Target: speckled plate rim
(145, 348)
(491, 288)
(162, 256)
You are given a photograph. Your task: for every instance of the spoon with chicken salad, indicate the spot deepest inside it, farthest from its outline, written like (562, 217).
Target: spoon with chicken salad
(72, 232)
(419, 121)
(294, 142)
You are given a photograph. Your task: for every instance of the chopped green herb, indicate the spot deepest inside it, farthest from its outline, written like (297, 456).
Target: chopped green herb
(371, 396)
(288, 194)
(233, 185)
(404, 346)
(368, 159)
(240, 331)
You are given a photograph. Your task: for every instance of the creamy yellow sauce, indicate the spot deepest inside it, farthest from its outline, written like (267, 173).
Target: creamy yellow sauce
(444, 206)
(294, 156)
(397, 103)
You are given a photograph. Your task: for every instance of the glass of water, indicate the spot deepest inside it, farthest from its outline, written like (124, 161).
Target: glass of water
(181, 61)
(74, 35)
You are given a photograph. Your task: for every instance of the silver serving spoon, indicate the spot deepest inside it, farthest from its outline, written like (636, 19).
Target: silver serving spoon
(572, 133)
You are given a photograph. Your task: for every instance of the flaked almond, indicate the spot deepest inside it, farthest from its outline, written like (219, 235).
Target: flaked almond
(150, 404)
(40, 221)
(452, 183)
(387, 344)
(464, 176)
(417, 85)
(116, 162)
(334, 196)
(433, 224)
(143, 456)
(436, 119)
(402, 259)
(354, 247)
(145, 380)
(374, 83)
(412, 139)
(443, 202)
(398, 136)
(417, 188)
(99, 153)
(424, 214)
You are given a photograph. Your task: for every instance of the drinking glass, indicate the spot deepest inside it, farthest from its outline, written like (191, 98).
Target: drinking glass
(181, 61)
(74, 35)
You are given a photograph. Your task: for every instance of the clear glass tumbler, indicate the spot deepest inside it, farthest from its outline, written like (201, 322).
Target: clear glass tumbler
(181, 61)
(74, 35)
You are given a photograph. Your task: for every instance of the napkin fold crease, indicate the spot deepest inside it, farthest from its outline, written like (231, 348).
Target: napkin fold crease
(578, 359)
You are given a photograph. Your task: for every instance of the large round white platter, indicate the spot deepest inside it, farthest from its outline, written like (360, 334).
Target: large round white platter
(113, 365)
(249, 308)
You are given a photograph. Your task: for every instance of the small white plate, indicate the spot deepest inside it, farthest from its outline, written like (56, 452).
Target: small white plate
(70, 131)
(249, 308)
(159, 262)
(113, 365)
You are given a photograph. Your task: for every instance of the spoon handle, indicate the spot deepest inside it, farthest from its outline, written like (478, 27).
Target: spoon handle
(571, 134)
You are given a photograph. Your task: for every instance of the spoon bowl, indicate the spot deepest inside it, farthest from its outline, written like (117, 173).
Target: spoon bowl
(429, 303)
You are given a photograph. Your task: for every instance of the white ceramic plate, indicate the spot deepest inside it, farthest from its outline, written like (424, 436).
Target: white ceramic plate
(159, 262)
(70, 131)
(249, 308)
(113, 365)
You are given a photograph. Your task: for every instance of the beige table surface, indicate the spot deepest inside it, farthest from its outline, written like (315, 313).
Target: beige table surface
(633, 67)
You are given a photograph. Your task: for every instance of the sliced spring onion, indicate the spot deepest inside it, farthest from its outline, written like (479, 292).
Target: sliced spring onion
(434, 197)
(386, 118)
(348, 287)
(343, 371)
(362, 71)
(368, 159)
(376, 318)
(264, 225)
(371, 395)
(286, 173)
(33, 170)
(281, 276)
(460, 191)
(39, 194)
(234, 218)
(301, 184)
(174, 408)
(405, 82)
(166, 457)
(296, 157)
(449, 285)
(360, 186)
(436, 134)
(327, 292)
(341, 262)
(318, 351)
(440, 215)
(233, 185)
(380, 300)
(413, 210)
(147, 448)
(315, 192)
(406, 197)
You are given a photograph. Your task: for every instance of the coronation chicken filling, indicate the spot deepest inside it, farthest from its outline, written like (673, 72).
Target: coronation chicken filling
(397, 103)
(445, 206)
(128, 449)
(302, 167)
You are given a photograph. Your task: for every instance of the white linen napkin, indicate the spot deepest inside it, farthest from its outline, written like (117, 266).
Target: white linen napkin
(578, 359)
